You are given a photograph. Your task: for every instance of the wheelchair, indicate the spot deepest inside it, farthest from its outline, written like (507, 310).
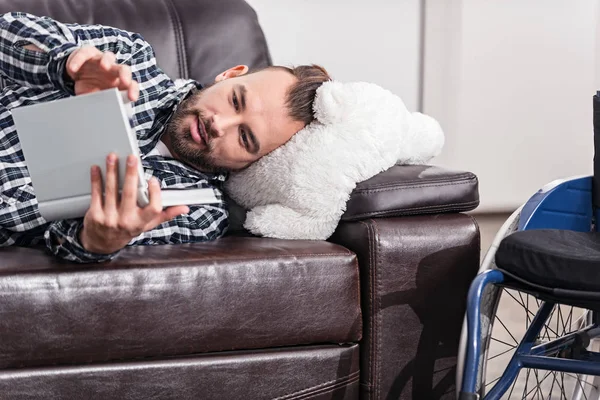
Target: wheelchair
(532, 329)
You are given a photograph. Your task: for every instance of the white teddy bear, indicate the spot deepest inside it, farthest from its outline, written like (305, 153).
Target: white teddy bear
(300, 190)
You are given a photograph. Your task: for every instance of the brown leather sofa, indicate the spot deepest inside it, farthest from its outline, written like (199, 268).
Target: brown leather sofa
(373, 313)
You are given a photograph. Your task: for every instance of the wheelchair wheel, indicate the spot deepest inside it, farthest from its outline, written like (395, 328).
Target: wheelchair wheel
(512, 314)
(505, 316)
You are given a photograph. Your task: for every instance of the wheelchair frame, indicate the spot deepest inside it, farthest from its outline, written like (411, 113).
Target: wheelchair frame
(563, 204)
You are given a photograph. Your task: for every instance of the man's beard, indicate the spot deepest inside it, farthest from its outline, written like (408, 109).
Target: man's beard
(183, 147)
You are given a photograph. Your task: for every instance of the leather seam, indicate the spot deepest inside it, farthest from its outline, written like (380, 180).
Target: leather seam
(346, 253)
(414, 210)
(474, 220)
(179, 39)
(373, 331)
(328, 390)
(346, 379)
(379, 314)
(370, 324)
(403, 187)
(357, 286)
(469, 178)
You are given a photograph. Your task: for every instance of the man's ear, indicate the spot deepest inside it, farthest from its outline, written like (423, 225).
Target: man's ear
(232, 73)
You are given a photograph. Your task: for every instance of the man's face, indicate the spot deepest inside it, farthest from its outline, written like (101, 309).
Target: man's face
(234, 122)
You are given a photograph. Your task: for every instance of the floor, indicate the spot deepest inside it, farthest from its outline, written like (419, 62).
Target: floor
(489, 224)
(512, 312)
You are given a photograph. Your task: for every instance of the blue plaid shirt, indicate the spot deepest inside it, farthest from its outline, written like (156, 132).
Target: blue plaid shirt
(33, 77)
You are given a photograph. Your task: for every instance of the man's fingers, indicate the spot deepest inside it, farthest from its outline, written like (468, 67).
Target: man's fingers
(166, 215)
(152, 210)
(80, 57)
(125, 76)
(96, 179)
(108, 61)
(171, 212)
(130, 186)
(126, 82)
(134, 91)
(111, 186)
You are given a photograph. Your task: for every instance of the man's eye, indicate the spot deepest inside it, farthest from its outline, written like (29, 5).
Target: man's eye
(235, 102)
(244, 138)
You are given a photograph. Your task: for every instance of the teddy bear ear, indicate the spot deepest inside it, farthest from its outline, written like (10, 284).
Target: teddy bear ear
(334, 100)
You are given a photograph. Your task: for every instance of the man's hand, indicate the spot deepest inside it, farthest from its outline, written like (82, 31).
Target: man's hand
(110, 224)
(93, 70)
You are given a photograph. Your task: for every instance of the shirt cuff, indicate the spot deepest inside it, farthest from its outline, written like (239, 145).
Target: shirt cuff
(57, 68)
(62, 240)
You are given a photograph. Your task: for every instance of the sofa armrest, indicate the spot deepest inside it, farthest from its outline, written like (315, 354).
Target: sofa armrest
(415, 273)
(400, 191)
(411, 190)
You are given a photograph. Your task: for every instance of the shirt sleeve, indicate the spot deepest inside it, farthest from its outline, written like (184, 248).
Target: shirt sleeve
(62, 240)
(45, 70)
(202, 223)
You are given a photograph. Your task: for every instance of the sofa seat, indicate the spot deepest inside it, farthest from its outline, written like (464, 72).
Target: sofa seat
(234, 293)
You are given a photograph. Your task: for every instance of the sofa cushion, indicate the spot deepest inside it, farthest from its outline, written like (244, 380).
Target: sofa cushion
(304, 372)
(234, 293)
(196, 39)
(413, 189)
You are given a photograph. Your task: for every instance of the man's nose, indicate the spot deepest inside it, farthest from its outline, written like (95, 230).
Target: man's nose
(221, 124)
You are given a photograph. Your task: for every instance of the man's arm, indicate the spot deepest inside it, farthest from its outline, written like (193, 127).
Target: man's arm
(114, 221)
(34, 50)
(202, 223)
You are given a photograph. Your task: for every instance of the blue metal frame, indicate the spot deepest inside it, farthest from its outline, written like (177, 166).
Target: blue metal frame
(474, 326)
(563, 204)
(527, 353)
(560, 343)
(516, 362)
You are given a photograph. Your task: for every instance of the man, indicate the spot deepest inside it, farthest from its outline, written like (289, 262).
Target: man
(189, 136)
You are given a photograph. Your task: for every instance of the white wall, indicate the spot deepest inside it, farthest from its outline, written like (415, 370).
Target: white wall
(355, 40)
(511, 83)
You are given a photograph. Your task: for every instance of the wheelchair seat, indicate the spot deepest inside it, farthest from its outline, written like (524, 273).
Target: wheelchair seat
(552, 258)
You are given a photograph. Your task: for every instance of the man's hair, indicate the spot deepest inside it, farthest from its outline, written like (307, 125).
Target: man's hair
(301, 96)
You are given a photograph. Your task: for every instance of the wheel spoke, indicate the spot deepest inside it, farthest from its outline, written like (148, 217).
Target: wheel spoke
(578, 377)
(538, 388)
(533, 384)
(506, 329)
(530, 314)
(537, 379)
(560, 319)
(514, 383)
(492, 382)
(507, 344)
(525, 307)
(570, 319)
(526, 384)
(552, 387)
(500, 354)
(582, 389)
(547, 325)
(521, 303)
